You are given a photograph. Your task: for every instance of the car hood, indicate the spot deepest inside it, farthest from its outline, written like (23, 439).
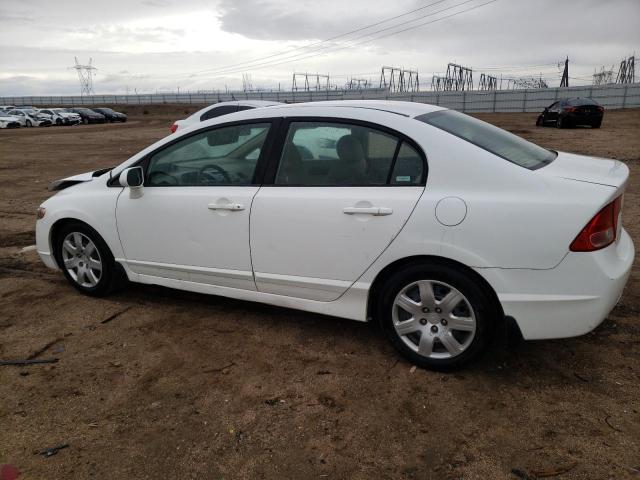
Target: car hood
(581, 168)
(75, 179)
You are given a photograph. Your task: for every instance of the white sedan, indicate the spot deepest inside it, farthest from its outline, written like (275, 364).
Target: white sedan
(437, 225)
(217, 110)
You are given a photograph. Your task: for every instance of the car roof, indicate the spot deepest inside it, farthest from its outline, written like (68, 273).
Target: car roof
(406, 109)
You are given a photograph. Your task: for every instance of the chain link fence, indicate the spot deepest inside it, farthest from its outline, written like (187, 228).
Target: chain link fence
(531, 100)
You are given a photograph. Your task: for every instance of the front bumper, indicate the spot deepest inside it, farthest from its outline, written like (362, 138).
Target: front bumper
(569, 300)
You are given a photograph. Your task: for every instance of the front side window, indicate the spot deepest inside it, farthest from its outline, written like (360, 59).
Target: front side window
(224, 156)
(493, 139)
(337, 154)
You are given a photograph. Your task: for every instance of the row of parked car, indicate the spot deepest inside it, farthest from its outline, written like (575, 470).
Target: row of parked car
(29, 116)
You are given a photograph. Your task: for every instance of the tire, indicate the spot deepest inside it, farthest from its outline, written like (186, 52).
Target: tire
(80, 266)
(58, 122)
(560, 123)
(539, 122)
(28, 124)
(470, 327)
(85, 121)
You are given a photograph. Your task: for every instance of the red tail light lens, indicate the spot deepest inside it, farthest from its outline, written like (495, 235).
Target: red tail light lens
(601, 231)
(174, 127)
(601, 109)
(570, 109)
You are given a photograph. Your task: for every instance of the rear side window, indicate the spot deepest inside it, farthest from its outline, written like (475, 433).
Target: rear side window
(493, 139)
(218, 111)
(338, 154)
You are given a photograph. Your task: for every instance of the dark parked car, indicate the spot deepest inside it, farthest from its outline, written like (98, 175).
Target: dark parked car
(88, 115)
(570, 112)
(111, 115)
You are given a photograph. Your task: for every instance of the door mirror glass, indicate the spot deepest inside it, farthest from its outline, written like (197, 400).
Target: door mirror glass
(132, 177)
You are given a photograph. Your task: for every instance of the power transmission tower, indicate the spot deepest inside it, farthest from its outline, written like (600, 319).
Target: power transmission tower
(247, 83)
(564, 82)
(85, 75)
(318, 82)
(603, 77)
(627, 70)
(458, 78)
(487, 82)
(358, 84)
(439, 84)
(396, 80)
(526, 82)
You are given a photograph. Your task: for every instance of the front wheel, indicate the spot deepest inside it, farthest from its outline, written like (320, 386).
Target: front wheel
(539, 121)
(436, 316)
(58, 122)
(28, 123)
(86, 260)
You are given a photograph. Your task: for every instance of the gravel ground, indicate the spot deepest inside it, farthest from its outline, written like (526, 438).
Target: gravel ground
(181, 385)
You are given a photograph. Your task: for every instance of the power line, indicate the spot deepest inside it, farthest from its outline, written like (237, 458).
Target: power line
(330, 39)
(330, 48)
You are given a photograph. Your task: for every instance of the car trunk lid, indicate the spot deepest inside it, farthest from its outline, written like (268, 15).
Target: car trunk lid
(580, 168)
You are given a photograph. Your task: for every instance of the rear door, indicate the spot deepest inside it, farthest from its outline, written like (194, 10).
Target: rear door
(340, 193)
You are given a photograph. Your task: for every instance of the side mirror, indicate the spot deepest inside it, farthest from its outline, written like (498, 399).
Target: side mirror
(131, 177)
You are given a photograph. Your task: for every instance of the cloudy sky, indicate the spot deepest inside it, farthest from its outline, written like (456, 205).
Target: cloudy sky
(166, 45)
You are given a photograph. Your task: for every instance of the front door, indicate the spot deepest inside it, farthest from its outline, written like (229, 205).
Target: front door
(341, 194)
(190, 220)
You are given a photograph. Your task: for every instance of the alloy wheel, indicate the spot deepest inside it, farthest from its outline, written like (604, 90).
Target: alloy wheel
(82, 259)
(434, 319)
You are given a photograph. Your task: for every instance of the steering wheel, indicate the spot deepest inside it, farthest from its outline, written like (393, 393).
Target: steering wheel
(209, 178)
(161, 178)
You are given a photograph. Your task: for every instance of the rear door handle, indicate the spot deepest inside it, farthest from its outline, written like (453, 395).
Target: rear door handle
(234, 207)
(377, 211)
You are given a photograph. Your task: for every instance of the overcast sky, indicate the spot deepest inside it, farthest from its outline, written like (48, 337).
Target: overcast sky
(163, 45)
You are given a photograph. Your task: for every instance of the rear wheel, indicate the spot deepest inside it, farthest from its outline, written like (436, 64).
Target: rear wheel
(86, 260)
(436, 316)
(540, 121)
(560, 123)
(85, 120)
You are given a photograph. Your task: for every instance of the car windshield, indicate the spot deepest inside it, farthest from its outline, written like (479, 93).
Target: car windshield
(493, 139)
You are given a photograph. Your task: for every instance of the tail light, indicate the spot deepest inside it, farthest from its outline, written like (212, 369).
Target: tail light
(174, 127)
(601, 109)
(570, 109)
(602, 229)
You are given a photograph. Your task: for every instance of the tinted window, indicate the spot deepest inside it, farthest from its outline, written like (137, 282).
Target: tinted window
(336, 154)
(581, 101)
(408, 167)
(223, 156)
(245, 107)
(218, 111)
(490, 138)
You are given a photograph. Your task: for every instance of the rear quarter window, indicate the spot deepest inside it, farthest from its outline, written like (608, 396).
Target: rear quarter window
(488, 137)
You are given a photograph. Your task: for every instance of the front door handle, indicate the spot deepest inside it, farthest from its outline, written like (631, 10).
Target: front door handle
(234, 207)
(377, 211)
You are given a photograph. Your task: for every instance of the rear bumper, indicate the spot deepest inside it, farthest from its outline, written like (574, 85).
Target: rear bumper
(582, 118)
(569, 300)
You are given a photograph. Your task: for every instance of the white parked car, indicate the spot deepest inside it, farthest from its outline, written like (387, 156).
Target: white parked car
(60, 116)
(30, 118)
(217, 110)
(9, 121)
(437, 225)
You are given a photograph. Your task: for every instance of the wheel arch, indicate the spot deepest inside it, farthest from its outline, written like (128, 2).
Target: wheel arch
(57, 227)
(399, 264)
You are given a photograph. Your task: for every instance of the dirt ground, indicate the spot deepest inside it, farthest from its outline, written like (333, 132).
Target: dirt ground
(182, 385)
